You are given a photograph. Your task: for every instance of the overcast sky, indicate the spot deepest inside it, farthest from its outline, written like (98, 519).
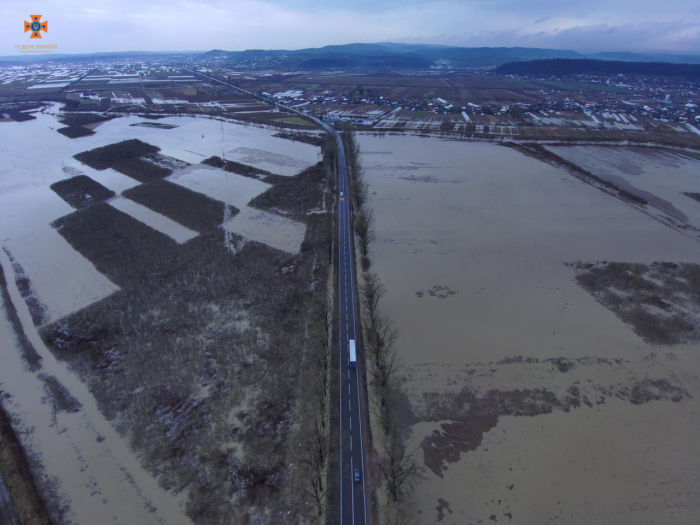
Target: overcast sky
(158, 25)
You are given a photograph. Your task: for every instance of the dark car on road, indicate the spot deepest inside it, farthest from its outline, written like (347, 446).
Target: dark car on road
(357, 475)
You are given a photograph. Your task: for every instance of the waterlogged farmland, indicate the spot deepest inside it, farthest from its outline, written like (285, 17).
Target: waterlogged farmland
(164, 303)
(532, 396)
(665, 179)
(38, 157)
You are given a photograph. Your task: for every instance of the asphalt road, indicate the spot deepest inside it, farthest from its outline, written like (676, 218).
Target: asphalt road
(353, 496)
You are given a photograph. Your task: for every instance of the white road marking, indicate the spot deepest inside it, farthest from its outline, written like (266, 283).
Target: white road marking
(359, 403)
(352, 492)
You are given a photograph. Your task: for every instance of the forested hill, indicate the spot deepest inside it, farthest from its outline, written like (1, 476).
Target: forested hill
(566, 67)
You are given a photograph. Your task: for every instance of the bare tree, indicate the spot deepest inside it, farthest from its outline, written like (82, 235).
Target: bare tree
(352, 149)
(312, 459)
(384, 404)
(396, 513)
(359, 189)
(371, 291)
(364, 228)
(328, 235)
(381, 336)
(399, 469)
(321, 343)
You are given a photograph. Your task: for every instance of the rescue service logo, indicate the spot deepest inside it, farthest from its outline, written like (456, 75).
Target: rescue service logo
(35, 26)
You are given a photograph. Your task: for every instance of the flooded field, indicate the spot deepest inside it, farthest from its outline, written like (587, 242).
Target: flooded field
(236, 190)
(28, 206)
(662, 178)
(85, 467)
(518, 379)
(85, 464)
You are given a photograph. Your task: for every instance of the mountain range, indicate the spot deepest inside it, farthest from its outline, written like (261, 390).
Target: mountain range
(391, 56)
(568, 67)
(386, 56)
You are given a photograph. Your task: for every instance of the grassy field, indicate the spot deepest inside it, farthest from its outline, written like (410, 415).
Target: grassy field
(464, 94)
(297, 121)
(584, 86)
(524, 83)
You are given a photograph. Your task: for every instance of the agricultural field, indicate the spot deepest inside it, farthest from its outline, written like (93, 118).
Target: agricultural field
(160, 377)
(37, 79)
(454, 88)
(547, 329)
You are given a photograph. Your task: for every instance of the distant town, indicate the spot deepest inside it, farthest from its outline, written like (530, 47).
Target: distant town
(477, 102)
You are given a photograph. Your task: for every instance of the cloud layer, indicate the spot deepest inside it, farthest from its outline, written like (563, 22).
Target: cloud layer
(594, 25)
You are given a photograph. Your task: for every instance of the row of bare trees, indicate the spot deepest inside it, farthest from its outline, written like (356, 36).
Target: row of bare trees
(399, 470)
(359, 194)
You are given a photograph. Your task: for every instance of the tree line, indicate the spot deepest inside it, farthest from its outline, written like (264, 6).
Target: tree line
(398, 469)
(578, 66)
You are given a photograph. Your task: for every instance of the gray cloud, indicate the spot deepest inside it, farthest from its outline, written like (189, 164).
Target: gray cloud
(651, 36)
(594, 25)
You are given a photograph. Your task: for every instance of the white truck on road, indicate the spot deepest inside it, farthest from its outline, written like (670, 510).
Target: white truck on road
(353, 356)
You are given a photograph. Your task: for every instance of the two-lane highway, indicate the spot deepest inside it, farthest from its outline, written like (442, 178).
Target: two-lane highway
(353, 494)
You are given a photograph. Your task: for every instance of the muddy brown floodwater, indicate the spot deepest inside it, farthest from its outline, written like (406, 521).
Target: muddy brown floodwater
(564, 412)
(99, 474)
